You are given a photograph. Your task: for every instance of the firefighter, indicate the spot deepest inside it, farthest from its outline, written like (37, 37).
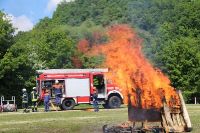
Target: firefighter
(95, 81)
(58, 92)
(34, 99)
(25, 100)
(46, 100)
(95, 100)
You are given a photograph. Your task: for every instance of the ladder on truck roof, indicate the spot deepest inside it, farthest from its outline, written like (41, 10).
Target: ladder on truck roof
(61, 71)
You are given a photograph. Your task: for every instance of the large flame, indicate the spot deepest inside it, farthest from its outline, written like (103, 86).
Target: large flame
(132, 72)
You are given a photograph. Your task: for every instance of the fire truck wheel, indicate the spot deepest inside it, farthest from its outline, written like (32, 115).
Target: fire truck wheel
(68, 104)
(114, 102)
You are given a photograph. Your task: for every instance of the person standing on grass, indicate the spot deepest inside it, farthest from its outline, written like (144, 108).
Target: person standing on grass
(34, 99)
(46, 101)
(95, 100)
(25, 100)
(58, 93)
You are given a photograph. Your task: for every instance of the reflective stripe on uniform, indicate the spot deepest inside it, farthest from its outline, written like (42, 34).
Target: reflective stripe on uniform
(33, 97)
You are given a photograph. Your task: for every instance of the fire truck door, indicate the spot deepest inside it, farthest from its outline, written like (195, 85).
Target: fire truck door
(78, 88)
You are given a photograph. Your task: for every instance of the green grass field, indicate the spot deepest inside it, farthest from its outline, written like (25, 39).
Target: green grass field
(73, 121)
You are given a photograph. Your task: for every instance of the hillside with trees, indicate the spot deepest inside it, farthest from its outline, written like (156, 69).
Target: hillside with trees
(170, 31)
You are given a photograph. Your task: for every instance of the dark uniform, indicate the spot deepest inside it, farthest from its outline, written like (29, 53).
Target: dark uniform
(58, 93)
(46, 101)
(34, 99)
(25, 101)
(95, 102)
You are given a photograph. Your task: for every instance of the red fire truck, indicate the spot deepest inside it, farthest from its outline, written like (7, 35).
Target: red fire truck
(78, 87)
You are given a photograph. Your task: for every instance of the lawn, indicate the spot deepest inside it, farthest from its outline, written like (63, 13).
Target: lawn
(73, 121)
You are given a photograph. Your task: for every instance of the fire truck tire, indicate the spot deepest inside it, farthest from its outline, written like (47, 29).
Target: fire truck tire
(68, 104)
(114, 102)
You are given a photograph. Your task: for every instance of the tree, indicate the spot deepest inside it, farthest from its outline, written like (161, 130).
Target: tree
(181, 59)
(6, 34)
(102, 12)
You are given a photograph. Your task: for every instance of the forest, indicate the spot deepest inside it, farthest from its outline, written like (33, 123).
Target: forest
(170, 31)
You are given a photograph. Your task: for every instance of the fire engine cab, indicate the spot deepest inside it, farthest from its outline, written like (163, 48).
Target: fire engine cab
(78, 87)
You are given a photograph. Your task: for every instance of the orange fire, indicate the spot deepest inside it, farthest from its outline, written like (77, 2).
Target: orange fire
(132, 72)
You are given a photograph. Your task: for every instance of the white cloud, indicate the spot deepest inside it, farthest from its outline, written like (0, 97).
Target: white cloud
(22, 23)
(52, 4)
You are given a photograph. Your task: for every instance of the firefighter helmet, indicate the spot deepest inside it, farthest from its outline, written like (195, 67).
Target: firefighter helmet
(24, 89)
(56, 81)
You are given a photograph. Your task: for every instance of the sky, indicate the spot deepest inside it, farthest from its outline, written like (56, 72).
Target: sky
(24, 14)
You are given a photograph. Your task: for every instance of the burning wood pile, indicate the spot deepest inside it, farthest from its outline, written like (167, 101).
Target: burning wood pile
(168, 119)
(176, 119)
